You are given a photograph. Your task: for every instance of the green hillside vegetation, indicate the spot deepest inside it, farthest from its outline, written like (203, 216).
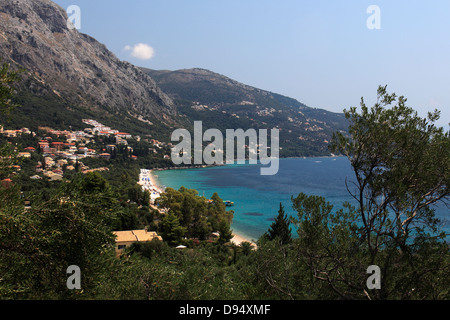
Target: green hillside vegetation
(222, 103)
(401, 168)
(301, 131)
(41, 107)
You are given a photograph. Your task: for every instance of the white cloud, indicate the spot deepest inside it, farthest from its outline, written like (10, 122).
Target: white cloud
(141, 51)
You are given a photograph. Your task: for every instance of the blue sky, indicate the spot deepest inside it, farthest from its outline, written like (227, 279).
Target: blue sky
(319, 52)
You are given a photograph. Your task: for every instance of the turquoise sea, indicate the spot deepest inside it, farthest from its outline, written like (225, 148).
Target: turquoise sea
(257, 198)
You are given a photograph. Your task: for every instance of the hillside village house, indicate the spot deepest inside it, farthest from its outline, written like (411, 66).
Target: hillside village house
(125, 238)
(123, 135)
(14, 133)
(60, 155)
(105, 156)
(6, 183)
(24, 154)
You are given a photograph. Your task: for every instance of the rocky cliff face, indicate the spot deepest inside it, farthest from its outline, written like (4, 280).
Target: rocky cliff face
(34, 34)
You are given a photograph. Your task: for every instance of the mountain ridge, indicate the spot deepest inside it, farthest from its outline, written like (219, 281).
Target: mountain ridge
(70, 76)
(222, 102)
(34, 35)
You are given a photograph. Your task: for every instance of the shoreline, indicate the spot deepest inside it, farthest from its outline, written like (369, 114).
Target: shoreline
(237, 239)
(154, 182)
(203, 166)
(148, 183)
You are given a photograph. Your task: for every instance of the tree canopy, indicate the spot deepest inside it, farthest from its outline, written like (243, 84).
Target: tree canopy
(401, 170)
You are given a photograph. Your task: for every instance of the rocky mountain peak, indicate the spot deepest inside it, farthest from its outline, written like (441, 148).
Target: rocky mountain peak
(34, 35)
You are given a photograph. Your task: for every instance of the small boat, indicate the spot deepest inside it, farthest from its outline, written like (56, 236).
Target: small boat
(229, 203)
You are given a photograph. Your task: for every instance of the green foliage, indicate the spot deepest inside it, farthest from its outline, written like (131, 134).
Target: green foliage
(401, 165)
(401, 168)
(246, 247)
(198, 216)
(40, 106)
(280, 228)
(137, 195)
(225, 233)
(234, 105)
(72, 228)
(184, 274)
(8, 158)
(311, 144)
(329, 246)
(8, 79)
(171, 230)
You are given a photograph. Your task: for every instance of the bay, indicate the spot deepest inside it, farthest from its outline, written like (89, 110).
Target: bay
(257, 198)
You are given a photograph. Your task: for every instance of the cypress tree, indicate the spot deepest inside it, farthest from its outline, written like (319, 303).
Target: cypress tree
(280, 228)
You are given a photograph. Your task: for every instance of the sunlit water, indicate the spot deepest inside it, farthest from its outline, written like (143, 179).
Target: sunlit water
(257, 198)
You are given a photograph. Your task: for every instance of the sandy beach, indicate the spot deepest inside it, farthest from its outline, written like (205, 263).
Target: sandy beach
(237, 240)
(148, 182)
(153, 180)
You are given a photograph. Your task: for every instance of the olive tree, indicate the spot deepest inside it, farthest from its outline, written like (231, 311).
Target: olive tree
(401, 171)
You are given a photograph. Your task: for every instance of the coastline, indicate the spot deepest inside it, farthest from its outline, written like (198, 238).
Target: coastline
(237, 237)
(148, 183)
(154, 181)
